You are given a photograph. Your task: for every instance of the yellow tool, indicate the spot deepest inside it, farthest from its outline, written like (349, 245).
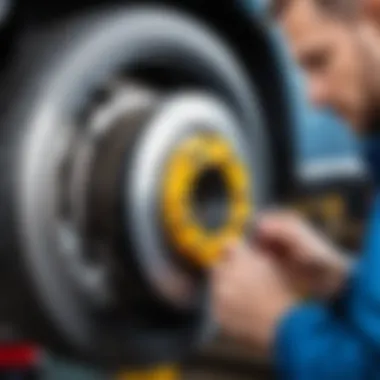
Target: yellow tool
(162, 373)
(194, 158)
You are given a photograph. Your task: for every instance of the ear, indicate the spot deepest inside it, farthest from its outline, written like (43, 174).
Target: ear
(371, 8)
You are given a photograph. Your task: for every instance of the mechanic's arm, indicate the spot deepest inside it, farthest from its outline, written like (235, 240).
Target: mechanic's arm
(314, 342)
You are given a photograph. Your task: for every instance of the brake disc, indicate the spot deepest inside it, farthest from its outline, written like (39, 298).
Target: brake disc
(117, 192)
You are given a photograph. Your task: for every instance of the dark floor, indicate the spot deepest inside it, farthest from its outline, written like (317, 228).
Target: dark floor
(224, 360)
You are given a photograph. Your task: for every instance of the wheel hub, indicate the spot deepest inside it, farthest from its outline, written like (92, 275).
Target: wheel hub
(161, 184)
(206, 197)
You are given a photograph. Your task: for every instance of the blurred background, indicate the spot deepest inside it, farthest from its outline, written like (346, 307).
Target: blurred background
(315, 161)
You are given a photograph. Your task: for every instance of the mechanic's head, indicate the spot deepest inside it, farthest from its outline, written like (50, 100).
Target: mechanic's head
(337, 43)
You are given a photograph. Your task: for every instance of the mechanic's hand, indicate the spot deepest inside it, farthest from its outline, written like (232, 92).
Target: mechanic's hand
(250, 296)
(316, 266)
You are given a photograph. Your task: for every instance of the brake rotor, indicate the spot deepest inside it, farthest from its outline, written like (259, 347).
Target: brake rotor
(130, 174)
(88, 199)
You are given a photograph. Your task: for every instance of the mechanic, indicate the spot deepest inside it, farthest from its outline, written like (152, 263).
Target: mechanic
(257, 284)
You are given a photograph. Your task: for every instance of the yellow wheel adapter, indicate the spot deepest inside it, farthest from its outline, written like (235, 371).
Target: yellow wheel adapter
(205, 166)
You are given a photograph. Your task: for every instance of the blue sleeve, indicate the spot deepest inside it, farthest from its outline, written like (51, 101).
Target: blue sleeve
(316, 342)
(363, 304)
(312, 344)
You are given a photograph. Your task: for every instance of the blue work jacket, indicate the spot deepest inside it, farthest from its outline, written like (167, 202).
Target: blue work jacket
(339, 339)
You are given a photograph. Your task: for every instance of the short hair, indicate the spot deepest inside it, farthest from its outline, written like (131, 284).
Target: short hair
(338, 8)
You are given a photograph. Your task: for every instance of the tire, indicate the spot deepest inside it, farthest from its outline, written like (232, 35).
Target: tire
(49, 84)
